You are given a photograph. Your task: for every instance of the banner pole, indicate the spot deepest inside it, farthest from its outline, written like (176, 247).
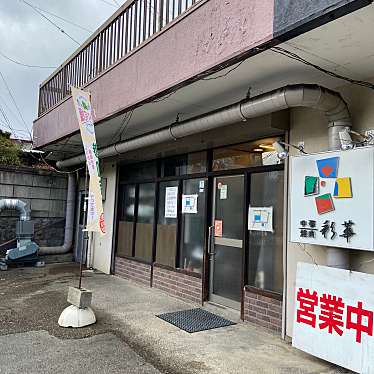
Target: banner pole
(84, 230)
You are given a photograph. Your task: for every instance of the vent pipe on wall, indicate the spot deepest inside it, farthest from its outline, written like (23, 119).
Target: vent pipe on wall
(16, 204)
(309, 96)
(69, 222)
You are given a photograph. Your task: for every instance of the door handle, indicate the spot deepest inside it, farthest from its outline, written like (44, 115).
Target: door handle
(210, 241)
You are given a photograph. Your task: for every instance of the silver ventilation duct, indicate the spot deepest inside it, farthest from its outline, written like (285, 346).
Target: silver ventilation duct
(310, 96)
(16, 204)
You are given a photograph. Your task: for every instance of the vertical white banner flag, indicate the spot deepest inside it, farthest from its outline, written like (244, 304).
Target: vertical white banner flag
(83, 109)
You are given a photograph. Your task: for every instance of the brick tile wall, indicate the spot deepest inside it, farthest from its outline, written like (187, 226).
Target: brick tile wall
(133, 270)
(263, 310)
(178, 284)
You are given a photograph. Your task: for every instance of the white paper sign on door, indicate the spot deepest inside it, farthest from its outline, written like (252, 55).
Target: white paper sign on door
(223, 192)
(189, 204)
(171, 202)
(260, 218)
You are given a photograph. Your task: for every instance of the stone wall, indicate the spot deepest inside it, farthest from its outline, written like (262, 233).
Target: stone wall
(45, 192)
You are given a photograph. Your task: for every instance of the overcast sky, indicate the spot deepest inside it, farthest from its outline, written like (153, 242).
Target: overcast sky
(27, 37)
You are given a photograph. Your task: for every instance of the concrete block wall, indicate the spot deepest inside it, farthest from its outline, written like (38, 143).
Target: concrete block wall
(133, 270)
(263, 310)
(177, 283)
(45, 192)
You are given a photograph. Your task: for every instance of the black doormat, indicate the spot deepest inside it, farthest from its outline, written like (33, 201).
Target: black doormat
(195, 320)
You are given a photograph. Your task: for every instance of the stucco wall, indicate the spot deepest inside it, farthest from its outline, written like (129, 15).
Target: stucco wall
(310, 126)
(101, 246)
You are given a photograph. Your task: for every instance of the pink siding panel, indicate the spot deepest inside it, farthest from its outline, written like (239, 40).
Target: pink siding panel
(210, 35)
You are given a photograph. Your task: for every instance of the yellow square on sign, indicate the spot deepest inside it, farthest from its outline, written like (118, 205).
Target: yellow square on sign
(343, 188)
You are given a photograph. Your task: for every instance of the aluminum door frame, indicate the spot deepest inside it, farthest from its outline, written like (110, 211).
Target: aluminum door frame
(228, 242)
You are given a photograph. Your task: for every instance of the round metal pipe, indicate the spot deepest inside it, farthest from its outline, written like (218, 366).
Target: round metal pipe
(19, 205)
(312, 96)
(69, 222)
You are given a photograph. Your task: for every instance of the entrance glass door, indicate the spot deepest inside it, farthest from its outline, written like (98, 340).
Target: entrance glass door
(226, 241)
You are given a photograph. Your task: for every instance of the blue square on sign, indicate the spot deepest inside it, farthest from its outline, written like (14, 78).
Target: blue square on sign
(257, 217)
(188, 202)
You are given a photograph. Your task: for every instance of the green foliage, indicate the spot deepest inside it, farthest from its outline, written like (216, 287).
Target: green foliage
(10, 152)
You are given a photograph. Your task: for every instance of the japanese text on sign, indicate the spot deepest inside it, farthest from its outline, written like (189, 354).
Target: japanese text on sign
(334, 316)
(327, 230)
(171, 202)
(332, 200)
(83, 109)
(330, 317)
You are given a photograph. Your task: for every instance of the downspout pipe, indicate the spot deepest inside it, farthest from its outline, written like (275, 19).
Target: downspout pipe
(19, 205)
(292, 96)
(69, 222)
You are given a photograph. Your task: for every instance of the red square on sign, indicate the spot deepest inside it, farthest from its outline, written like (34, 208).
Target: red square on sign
(217, 228)
(324, 203)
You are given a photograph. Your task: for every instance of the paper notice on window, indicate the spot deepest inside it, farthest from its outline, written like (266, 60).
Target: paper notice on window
(218, 227)
(189, 204)
(223, 192)
(201, 186)
(260, 219)
(171, 202)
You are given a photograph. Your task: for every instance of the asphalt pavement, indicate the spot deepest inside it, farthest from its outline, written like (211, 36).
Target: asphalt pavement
(128, 337)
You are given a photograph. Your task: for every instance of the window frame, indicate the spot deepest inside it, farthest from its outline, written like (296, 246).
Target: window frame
(209, 175)
(247, 199)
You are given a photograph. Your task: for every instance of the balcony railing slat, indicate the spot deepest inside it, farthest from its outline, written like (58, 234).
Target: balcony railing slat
(136, 23)
(145, 19)
(117, 40)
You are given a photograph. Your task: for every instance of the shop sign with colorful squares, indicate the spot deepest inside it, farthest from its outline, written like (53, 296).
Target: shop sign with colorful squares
(332, 199)
(327, 168)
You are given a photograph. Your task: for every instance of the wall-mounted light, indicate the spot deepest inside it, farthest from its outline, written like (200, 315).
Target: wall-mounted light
(346, 140)
(267, 147)
(281, 150)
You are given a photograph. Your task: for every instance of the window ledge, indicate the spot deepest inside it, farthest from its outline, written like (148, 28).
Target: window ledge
(177, 270)
(266, 293)
(135, 259)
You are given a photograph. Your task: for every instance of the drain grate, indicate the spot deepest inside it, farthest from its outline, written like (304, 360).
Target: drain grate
(195, 320)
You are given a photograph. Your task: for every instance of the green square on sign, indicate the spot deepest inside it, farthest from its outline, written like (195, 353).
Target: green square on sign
(311, 185)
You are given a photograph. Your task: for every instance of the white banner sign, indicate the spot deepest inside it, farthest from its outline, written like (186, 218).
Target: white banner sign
(334, 316)
(171, 202)
(83, 109)
(332, 199)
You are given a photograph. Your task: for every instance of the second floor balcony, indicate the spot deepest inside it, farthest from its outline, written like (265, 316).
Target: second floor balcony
(150, 48)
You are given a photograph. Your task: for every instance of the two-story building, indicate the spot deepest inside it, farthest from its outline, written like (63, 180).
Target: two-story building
(189, 97)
